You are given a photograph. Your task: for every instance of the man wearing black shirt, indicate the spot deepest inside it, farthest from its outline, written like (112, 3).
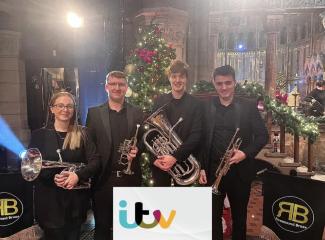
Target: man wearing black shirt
(179, 104)
(224, 114)
(317, 99)
(110, 124)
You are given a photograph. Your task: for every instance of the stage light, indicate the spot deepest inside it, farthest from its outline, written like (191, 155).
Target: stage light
(9, 140)
(240, 47)
(74, 20)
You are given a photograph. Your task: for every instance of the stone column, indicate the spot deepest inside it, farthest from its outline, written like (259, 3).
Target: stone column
(199, 53)
(273, 23)
(13, 103)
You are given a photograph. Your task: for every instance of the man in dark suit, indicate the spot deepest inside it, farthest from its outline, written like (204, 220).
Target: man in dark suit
(223, 115)
(110, 124)
(316, 98)
(178, 105)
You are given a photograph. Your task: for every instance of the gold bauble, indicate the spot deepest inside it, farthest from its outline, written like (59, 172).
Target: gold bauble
(129, 69)
(128, 92)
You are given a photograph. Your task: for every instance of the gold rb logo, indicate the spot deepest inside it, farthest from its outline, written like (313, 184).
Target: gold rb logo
(296, 212)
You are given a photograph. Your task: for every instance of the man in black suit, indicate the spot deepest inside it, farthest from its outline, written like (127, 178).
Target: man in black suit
(224, 114)
(316, 98)
(110, 124)
(178, 104)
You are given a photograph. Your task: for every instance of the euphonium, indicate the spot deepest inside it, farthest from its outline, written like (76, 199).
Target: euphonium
(224, 165)
(32, 164)
(124, 149)
(162, 140)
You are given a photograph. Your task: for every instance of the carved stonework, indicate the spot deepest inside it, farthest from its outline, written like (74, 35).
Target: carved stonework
(274, 23)
(9, 43)
(173, 23)
(238, 5)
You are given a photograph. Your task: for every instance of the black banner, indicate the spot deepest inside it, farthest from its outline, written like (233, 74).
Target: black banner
(294, 208)
(16, 204)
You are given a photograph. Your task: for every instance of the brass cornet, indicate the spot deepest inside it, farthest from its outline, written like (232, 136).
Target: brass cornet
(124, 149)
(32, 164)
(224, 163)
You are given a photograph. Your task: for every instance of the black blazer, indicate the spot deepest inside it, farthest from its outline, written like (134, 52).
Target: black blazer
(53, 204)
(189, 130)
(100, 131)
(252, 131)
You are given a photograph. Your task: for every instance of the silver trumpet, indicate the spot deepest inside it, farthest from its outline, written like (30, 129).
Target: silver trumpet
(162, 140)
(224, 165)
(32, 164)
(125, 148)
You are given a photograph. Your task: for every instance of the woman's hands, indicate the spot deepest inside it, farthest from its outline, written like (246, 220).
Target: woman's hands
(66, 179)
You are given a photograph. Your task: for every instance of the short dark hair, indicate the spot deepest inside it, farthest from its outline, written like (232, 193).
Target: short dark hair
(225, 70)
(320, 83)
(178, 66)
(116, 74)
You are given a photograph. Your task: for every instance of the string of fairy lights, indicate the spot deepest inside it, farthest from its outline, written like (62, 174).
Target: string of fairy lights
(146, 66)
(145, 69)
(294, 122)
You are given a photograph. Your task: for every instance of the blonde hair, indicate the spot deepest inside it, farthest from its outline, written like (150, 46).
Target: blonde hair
(75, 134)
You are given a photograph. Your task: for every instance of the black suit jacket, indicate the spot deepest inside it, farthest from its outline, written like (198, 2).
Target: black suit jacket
(100, 131)
(252, 132)
(189, 130)
(54, 205)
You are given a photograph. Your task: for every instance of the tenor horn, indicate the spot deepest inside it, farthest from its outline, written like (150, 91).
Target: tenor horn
(162, 140)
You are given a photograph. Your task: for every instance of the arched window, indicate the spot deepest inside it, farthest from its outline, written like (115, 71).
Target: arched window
(262, 40)
(5, 21)
(294, 32)
(251, 41)
(231, 41)
(221, 40)
(283, 35)
(303, 32)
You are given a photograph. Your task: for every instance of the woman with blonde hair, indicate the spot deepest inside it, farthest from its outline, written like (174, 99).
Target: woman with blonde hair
(60, 209)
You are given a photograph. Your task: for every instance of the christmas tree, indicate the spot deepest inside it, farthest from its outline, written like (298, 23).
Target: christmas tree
(146, 66)
(145, 69)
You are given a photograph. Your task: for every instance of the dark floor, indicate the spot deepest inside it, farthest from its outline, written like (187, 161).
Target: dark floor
(87, 230)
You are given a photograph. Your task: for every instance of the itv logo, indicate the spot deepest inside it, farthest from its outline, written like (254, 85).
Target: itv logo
(161, 213)
(139, 212)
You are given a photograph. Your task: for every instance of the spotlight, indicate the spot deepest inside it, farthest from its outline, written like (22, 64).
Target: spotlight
(74, 20)
(240, 47)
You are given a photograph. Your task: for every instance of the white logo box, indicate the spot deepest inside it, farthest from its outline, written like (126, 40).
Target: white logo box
(192, 221)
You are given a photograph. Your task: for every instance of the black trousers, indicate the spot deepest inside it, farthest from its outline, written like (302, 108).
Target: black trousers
(161, 178)
(103, 204)
(238, 192)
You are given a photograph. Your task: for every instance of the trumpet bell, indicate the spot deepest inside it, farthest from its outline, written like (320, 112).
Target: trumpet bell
(31, 164)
